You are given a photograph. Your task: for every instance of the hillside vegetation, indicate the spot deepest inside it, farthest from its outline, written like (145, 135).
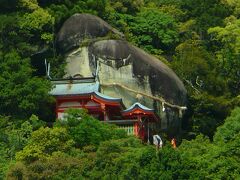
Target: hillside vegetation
(199, 40)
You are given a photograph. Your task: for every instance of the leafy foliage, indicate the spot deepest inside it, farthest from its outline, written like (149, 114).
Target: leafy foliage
(14, 135)
(20, 94)
(86, 130)
(52, 153)
(200, 41)
(154, 30)
(44, 142)
(230, 130)
(228, 54)
(219, 159)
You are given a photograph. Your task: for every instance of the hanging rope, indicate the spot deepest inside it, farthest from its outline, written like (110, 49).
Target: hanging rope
(160, 99)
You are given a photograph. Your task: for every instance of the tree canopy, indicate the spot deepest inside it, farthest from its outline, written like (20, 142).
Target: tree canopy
(199, 40)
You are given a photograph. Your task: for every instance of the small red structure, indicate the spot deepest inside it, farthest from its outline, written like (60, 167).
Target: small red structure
(144, 117)
(85, 94)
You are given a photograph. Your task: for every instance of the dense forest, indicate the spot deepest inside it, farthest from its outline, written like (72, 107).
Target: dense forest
(199, 40)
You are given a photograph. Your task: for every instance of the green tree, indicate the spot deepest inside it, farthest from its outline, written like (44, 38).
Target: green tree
(230, 130)
(228, 53)
(209, 103)
(44, 142)
(154, 31)
(208, 112)
(14, 135)
(20, 94)
(36, 20)
(206, 13)
(195, 155)
(218, 159)
(122, 158)
(198, 68)
(171, 7)
(234, 4)
(127, 6)
(85, 130)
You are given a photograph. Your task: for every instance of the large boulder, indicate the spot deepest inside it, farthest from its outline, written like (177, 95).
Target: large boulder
(145, 69)
(123, 70)
(79, 27)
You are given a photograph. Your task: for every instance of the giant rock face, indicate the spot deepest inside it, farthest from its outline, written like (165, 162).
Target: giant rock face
(117, 61)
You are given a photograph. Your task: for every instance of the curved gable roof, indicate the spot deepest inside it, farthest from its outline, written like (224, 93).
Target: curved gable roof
(137, 105)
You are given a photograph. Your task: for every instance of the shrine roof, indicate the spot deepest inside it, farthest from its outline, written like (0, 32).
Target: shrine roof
(138, 105)
(103, 96)
(67, 88)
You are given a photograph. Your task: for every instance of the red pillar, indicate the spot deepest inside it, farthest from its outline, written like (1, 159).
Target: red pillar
(103, 107)
(56, 109)
(136, 129)
(141, 130)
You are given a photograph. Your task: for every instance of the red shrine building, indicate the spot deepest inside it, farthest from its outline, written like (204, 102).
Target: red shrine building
(84, 93)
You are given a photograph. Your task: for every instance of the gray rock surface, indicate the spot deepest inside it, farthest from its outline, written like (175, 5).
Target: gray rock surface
(162, 80)
(81, 26)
